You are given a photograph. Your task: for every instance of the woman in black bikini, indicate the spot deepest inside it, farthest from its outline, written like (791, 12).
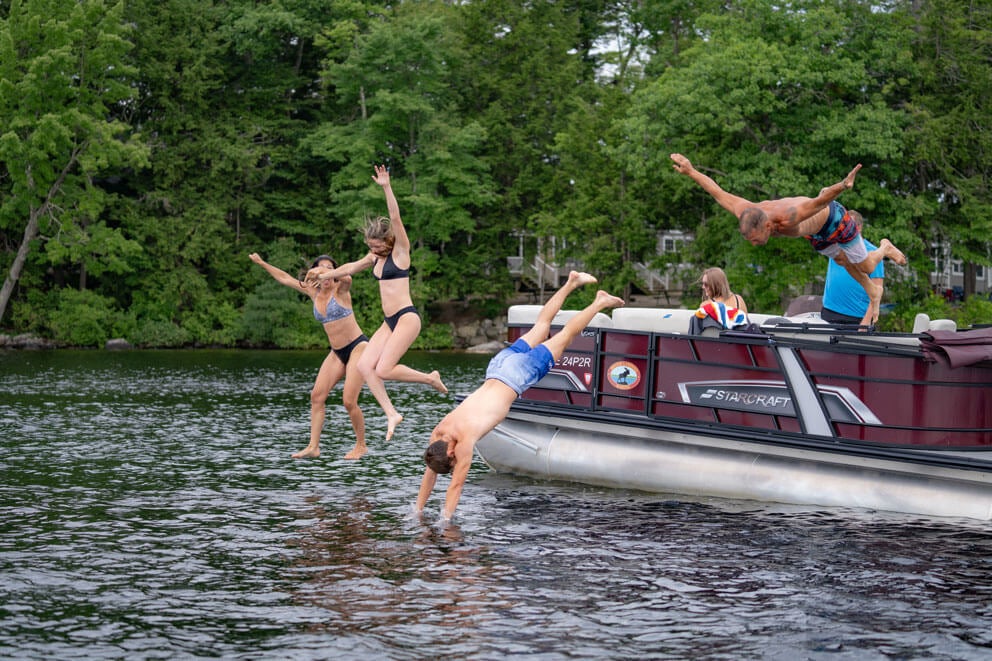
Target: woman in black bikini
(332, 308)
(389, 259)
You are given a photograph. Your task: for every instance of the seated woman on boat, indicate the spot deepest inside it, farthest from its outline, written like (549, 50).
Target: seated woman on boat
(720, 308)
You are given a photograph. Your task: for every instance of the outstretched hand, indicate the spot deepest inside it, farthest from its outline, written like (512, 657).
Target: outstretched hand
(849, 179)
(255, 258)
(316, 275)
(381, 175)
(682, 164)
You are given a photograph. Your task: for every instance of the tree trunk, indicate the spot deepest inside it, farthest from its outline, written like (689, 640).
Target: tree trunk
(968, 281)
(30, 233)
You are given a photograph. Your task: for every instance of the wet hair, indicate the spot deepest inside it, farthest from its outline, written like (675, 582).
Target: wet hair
(323, 258)
(751, 220)
(716, 282)
(436, 457)
(379, 228)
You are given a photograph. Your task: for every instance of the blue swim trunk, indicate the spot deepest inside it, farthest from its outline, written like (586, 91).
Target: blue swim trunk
(519, 366)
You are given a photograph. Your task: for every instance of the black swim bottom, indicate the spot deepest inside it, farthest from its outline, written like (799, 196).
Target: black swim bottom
(393, 319)
(344, 353)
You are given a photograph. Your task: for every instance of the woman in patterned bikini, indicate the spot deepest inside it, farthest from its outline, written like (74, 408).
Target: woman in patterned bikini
(332, 308)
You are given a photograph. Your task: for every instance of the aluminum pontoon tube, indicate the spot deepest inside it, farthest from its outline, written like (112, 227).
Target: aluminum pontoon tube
(678, 462)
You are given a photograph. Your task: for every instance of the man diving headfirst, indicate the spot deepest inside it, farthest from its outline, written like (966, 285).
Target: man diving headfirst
(830, 228)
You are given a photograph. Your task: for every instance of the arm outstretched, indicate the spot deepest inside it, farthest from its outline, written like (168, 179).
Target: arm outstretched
(732, 203)
(280, 276)
(344, 270)
(826, 196)
(381, 177)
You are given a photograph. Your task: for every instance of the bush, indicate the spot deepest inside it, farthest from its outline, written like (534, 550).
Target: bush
(212, 324)
(83, 318)
(975, 310)
(159, 334)
(276, 316)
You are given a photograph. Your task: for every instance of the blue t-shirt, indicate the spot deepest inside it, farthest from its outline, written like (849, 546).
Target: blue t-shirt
(842, 293)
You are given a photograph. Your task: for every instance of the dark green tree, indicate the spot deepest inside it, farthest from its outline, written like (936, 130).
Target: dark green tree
(952, 128)
(778, 101)
(393, 102)
(64, 85)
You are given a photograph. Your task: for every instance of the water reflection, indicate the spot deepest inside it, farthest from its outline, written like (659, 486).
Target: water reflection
(372, 574)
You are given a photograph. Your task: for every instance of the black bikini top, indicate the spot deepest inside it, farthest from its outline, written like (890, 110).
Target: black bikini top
(390, 271)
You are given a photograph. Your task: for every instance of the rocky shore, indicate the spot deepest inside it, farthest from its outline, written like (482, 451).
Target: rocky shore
(477, 336)
(26, 341)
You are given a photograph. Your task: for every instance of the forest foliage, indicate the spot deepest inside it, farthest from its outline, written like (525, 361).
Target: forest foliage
(147, 148)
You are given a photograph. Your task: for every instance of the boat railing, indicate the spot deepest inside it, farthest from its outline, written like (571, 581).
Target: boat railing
(677, 321)
(796, 330)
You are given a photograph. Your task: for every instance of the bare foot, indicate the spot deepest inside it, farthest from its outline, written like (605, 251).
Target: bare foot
(874, 301)
(435, 381)
(872, 314)
(579, 278)
(357, 452)
(309, 452)
(391, 422)
(892, 252)
(607, 300)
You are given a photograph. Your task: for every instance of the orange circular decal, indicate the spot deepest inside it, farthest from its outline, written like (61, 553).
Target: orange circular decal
(623, 375)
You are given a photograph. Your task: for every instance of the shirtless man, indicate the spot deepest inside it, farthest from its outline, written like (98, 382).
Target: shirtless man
(832, 230)
(510, 373)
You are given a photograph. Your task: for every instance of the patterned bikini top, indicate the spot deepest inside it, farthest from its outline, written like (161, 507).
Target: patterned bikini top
(333, 312)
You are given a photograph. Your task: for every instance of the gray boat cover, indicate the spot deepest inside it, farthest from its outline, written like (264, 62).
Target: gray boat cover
(957, 348)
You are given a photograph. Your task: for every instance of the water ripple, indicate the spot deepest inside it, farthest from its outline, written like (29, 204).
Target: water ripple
(151, 511)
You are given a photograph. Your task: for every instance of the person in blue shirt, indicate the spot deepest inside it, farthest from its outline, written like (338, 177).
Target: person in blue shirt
(844, 299)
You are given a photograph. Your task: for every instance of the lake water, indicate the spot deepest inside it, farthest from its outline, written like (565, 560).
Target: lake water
(151, 510)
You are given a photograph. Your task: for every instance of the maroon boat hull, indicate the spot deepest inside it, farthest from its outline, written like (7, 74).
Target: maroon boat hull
(867, 392)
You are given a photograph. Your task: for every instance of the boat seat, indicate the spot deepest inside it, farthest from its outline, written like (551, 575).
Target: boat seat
(922, 323)
(807, 318)
(658, 320)
(761, 318)
(526, 315)
(600, 320)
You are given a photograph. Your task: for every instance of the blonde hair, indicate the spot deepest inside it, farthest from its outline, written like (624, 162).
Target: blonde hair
(716, 282)
(379, 228)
